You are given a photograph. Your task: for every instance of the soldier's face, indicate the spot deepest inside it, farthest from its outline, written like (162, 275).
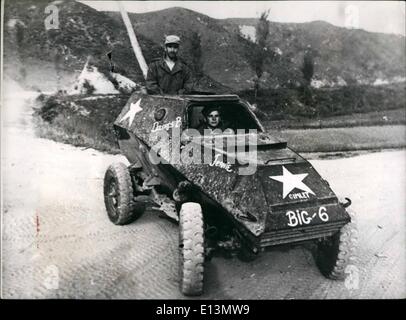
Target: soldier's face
(171, 50)
(213, 119)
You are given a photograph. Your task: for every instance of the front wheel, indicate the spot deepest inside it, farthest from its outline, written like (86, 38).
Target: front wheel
(335, 254)
(191, 249)
(119, 195)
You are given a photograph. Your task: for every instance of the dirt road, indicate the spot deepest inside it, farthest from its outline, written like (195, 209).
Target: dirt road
(58, 243)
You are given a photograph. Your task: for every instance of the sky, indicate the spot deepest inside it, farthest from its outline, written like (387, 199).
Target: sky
(374, 16)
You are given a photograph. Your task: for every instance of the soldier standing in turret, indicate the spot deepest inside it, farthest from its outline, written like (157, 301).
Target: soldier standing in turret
(169, 75)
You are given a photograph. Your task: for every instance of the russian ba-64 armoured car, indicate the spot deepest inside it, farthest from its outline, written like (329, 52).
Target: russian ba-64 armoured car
(240, 191)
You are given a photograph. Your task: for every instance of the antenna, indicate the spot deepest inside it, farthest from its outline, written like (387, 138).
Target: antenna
(133, 40)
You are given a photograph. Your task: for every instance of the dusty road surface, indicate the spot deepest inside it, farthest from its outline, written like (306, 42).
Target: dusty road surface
(58, 243)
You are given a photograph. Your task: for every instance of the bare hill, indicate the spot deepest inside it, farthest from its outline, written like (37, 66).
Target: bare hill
(341, 55)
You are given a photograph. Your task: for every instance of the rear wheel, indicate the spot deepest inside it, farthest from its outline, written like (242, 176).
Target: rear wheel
(119, 195)
(336, 253)
(191, 249)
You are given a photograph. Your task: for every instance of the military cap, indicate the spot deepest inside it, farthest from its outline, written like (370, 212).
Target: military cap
(172, 39)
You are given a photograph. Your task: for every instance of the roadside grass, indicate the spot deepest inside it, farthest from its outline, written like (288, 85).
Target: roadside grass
(83, 121)
(296, 104)
(374, 118)
(344, 139)
(76, 132)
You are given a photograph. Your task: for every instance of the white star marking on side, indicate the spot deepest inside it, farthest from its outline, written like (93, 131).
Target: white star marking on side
(134, 108)
(291, 181)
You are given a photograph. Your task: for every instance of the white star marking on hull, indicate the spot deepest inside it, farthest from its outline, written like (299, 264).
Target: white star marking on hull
(291, 181)
(134, 108)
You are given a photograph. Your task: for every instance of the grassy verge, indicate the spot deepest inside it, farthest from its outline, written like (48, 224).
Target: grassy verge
(84, 121)
(344, 139)
(298, 104)
(62, 131)
(374, 118)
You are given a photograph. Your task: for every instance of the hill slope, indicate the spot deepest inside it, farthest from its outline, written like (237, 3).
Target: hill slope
(356, 56)
(224, 53)
(352, 55)
(83, 32)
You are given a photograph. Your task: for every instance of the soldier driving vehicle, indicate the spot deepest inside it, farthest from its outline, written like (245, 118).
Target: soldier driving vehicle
(213, 121)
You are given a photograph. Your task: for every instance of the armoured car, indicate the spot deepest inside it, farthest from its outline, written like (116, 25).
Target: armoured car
(238, 192)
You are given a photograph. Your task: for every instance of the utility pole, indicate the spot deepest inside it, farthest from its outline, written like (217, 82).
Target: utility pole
(133, 40)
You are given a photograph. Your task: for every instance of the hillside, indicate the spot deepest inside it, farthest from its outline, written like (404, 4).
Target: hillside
(224, 54)
(83, 32)
(357, 56)
(341, 55)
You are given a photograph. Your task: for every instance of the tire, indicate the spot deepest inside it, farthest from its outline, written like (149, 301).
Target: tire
(191, 249)
(119, 195)
(335, 254)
